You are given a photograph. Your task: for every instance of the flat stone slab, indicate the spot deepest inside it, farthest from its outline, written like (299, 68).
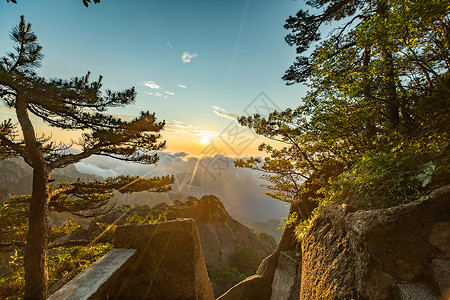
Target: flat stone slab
(88, 282)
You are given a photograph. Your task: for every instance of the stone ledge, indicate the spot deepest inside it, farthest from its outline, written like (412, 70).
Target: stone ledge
(88, 282)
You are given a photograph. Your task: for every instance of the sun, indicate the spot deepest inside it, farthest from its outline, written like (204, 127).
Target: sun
(205, 139)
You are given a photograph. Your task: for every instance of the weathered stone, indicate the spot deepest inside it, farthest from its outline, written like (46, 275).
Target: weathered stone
(408, 291)
(169, 263)
(221, 236)
(160, 205)
(267, 268)
(249, 289)
(89, 283)
(441, 275)
(116, 217)
(440, 236)
(361, 255)
(328, 259)
(287, 278)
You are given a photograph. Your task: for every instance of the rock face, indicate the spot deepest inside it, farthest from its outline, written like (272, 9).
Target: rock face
(278, 278)
(379, 254)
(259, 287)
(169, 263)
(397, 253)
(15, 178)
(287, 277)
(221, 236)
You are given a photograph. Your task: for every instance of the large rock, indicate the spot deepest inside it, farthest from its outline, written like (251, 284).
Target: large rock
(265, 285)
(256, 287)
(249, 289)
(364, 255)
(169, 263)
(287, 277)
(221, 236)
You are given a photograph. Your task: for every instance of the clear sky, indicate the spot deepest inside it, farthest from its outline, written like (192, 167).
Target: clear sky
(195, 64)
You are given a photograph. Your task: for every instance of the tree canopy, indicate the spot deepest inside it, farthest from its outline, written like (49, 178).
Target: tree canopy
(372, 130)
(75, 104)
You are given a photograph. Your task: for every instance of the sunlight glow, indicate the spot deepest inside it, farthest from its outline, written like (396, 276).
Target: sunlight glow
(205, 139)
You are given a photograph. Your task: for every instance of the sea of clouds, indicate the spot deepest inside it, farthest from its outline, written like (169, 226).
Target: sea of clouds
(239, 189)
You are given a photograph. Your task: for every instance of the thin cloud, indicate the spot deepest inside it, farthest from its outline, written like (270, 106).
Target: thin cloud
(152, 85)
(169, 45)
(223, 113)
(187, 57)
(182, 86)
(179, 127)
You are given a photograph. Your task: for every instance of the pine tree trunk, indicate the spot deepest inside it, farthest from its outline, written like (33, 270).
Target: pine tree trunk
(35, 256)
(35, 259)
(367, 92)
(392, 106)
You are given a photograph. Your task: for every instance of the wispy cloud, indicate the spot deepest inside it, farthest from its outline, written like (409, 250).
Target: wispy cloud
(152, 85)
(223, 113)
(187, 57)
(179, 127)
(182, 86)
(169, 45)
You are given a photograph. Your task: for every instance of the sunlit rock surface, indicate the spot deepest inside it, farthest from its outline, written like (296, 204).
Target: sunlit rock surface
(169, 263)
(367, 254)
(397, 253)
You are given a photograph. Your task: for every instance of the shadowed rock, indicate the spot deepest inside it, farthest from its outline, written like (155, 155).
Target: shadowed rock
(362, 255)
(169, 263)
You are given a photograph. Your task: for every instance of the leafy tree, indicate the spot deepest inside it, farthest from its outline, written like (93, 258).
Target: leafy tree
(373, 129)
(75, 104)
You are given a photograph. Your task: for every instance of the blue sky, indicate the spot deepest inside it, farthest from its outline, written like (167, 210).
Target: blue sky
(236, 50)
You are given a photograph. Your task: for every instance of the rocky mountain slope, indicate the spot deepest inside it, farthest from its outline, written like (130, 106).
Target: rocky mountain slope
(401, 253)
(16, 177)
(231, 250)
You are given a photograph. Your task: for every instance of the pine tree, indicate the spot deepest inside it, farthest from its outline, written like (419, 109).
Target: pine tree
(75, 104)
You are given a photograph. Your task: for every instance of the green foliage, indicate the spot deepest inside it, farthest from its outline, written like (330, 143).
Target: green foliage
(288, 222)
(225, 276)
(66, 229)
(148, 219)
(246, 260)
(303, 225)
(75, 104)
(60, 262)
(79, 258)
(378, 179)
(13, 219)
(373, 129)
(11, 285)
(86, 2)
